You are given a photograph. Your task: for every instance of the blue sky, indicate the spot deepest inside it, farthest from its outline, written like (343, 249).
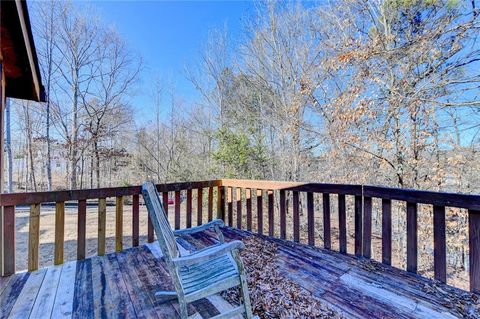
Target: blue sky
(169, 35)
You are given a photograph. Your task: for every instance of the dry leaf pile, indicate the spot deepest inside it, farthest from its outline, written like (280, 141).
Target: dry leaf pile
(465, 304)
(273, 295)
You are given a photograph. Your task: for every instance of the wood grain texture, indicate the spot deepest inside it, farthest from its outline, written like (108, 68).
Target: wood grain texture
(118, 223)
(102, 226)
(59, 233)
(81, 228)
(439, 244)
(474, 244)
(412, 238)
(33, 237)
(327, 239)
(135, 220)
(8, 240)
(283, 214)
(342, 224)
(387, 231)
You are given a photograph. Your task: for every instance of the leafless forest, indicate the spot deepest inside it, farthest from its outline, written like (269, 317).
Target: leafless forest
(382, 92)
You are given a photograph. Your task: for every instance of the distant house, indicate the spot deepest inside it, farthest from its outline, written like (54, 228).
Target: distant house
(20, 76)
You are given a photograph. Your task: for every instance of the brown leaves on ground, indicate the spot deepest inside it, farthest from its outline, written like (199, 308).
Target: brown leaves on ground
(272, 294)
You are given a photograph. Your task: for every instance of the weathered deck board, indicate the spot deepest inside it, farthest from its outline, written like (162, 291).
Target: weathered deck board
(123, 285)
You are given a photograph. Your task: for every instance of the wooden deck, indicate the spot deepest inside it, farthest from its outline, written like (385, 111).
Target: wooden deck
(123, 285)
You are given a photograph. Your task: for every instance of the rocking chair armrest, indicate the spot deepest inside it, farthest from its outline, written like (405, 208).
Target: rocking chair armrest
(209, 253)
(193, 230)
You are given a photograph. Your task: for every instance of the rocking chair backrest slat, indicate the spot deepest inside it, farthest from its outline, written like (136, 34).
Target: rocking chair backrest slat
(159, 220)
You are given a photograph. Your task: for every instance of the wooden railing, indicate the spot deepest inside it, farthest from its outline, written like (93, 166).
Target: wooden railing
(35, 201)
(240, 193)
(362, 207)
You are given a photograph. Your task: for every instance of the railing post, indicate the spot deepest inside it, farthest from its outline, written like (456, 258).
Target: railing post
(119, 223)
(177, 209)
(310, 219)
(230, 206)
(260, 211)
(135, 220)
(59, 232)
(296, 216)
(474, 244)
(239, 207)
(189, 208)
(439, 244)
(283, 215)
(387, 231)
(367, 226)
(342, 224)
(199, 206)
(81, 228)
(221, 203)
(248, 202)
(327, 241)
(271, 214)
(412, 237)
(102, 223)
(8, 240)
(34, 237)
(210, 204)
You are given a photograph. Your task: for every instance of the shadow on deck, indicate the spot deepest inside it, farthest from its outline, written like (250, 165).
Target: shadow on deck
(123, 285)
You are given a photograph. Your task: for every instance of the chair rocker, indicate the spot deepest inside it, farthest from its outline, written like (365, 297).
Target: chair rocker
(202, 273)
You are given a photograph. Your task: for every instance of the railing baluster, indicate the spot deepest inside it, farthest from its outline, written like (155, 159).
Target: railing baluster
(135, 220)
(412, 237)
(230, 206)
(199, 206)
(271, 214)
(165, 202)
(8, 240)
(221, 203)
(34, 237)
(342, 224)
(248, 200)
(283, 215)
(189, 208)
(59, 232)
(387, 231)
(310, 219)
(119, 223)
(210, 204)
(296, 217)
(358, 225)
(439, 243)
(474, 244)
(239, 207)
(102, 223)
(150, 231)
(260, 211)
(81, 228)
(177, 209)
(327, 239)
(367, 225)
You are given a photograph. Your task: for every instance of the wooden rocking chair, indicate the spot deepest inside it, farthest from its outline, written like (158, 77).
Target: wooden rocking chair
(199, 274)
